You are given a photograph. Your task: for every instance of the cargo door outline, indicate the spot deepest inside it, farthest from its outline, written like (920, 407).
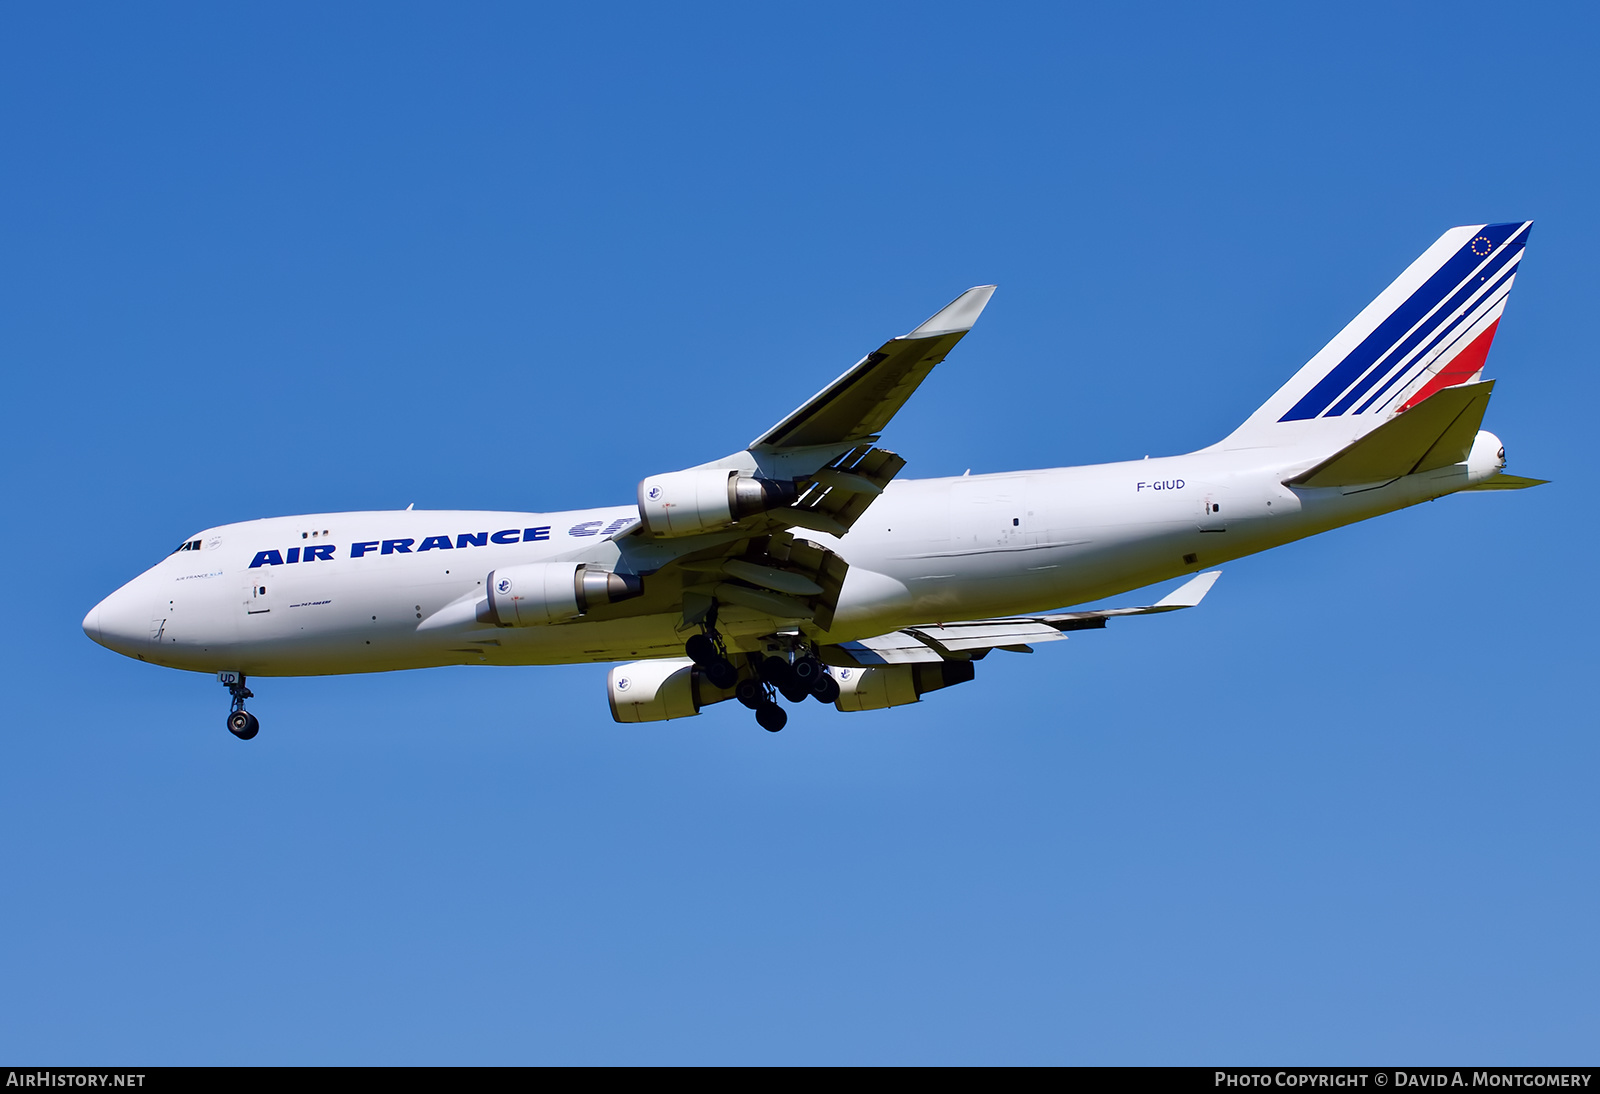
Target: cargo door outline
(1214, 510)
(258, 596)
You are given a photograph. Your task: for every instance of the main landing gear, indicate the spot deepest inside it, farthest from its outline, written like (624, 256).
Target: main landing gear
(241, 723)
(758, 697)
(708, 652)
(795, 681)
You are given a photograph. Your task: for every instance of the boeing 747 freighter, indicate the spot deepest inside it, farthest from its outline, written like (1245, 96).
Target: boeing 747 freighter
(804, 567)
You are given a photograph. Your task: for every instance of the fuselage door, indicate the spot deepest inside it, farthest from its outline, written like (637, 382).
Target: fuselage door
(258, 595)
(1214, 510)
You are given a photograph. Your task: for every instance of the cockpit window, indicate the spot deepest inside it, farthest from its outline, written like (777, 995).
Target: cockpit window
(192, 545)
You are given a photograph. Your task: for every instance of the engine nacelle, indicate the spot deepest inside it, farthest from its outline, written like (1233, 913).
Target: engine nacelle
(551, 592)
(687, 503)
(884, 686)
(653, 691)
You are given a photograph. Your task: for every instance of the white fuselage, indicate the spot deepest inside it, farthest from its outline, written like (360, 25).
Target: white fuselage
(269, 597)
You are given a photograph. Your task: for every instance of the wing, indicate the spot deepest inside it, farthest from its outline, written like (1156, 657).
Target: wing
(974, 638)
(857, 405)
(825, 446)
(816, 470)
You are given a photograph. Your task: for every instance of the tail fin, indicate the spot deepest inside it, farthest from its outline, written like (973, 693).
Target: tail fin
(1430, 329)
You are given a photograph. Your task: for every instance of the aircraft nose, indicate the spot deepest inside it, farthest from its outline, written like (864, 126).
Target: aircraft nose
(117, 622)
(91, 623)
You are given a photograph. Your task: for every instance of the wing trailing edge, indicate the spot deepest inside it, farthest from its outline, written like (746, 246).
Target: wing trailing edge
(974, 638)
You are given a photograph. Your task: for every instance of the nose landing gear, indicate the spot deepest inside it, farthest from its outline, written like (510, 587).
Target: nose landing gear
(241, 723)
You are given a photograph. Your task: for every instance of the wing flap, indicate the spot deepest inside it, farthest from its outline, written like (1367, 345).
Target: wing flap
(894, 648)
(776, 575)
(841, 492)
(985, 635)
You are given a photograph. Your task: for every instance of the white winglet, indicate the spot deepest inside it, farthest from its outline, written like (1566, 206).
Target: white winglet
(958, 315)
(858, 405)
(1191, 592)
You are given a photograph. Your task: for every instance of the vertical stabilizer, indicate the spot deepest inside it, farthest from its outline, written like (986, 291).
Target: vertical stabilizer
(1429, 330)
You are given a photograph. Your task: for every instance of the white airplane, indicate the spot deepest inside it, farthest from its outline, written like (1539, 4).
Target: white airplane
(801, 566)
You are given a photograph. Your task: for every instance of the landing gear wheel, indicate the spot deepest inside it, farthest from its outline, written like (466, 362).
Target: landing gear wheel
(750, 693)
(777, 672)
(701, 650)
(721, 673)
(770, 717)
(814, 680)
(808, 670)
(243, 725)
(705, 650)
(795, 693)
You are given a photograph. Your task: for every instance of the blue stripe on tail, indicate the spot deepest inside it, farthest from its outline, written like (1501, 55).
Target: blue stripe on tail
(1442, 317)
(1444, 282)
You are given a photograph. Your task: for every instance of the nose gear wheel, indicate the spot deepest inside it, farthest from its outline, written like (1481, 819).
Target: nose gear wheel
(241, 723)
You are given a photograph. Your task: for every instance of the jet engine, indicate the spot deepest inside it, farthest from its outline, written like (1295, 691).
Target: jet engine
(687, 503)
(653, 691)
(896, 685)
(550, 592)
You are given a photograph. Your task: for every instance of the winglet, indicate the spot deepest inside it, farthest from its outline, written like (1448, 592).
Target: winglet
(1186, 595)
(856, 406)
(1190, 593)
(958, 315)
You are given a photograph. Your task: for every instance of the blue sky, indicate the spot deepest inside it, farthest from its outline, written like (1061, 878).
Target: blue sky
(259, 261)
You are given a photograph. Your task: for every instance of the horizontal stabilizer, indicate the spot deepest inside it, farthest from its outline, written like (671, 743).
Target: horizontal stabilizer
(1437, 432)
(974, 638)
(1505, 482)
